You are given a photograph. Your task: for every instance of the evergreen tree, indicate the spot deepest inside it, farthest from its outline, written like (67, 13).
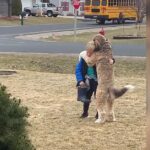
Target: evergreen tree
(13, 120)
(16, 7)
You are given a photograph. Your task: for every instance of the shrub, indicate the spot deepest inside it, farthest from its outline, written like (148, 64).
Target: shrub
(16, 7)
(13, 120)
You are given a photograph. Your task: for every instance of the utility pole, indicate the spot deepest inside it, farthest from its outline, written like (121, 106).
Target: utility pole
(76, 4)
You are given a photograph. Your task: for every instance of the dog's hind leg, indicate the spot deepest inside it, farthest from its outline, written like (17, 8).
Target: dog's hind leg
(101, 116)
(100, 103)
(110, 116)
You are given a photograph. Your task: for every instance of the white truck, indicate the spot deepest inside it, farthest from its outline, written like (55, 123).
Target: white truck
(48, 9)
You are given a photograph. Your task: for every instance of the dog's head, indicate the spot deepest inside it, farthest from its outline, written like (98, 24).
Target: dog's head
(99, 41)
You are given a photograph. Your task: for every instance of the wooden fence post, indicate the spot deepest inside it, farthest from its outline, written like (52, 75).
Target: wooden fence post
(148, 75)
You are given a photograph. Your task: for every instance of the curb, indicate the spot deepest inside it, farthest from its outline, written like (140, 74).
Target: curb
(128, 37)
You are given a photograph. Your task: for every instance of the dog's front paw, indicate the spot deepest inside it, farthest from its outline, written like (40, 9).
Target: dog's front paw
(100, 121)
(111, 120)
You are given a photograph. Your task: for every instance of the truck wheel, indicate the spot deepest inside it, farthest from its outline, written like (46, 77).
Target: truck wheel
(140, 20)
(55, 15)
(49, 13)
(28, 12)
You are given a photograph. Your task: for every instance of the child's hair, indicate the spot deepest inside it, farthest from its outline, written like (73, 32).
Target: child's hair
(90, 45)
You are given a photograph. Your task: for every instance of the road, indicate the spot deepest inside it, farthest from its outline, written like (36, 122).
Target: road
(9, 44)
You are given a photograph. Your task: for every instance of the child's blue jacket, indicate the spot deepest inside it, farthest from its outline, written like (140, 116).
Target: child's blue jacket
(81, 70)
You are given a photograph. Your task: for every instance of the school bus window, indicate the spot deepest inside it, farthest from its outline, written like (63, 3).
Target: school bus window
(87, 2)
(120, 3)
(109, 2)
(112, 2)
(95, 2)
(132, 2)
(125, 3)
(115, 3)
(104, 2)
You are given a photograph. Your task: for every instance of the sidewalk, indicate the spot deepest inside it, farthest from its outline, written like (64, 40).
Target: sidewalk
(78, 17)
(56, 34)
(37, 37)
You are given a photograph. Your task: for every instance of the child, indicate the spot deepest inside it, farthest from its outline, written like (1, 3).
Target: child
(84, 72)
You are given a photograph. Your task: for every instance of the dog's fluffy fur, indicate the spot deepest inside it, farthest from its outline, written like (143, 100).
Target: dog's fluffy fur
(106, 93)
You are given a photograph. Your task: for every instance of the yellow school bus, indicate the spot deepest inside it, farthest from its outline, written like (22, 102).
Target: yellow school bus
(112, 10)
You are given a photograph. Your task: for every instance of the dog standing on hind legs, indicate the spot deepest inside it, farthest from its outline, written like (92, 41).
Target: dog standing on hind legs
(106, 93)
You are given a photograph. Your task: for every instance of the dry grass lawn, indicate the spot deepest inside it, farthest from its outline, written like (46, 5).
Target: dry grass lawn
(34, 21)
(54, 113)
(109, 33)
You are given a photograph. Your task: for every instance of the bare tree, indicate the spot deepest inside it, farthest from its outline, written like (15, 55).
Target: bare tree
(9, 8)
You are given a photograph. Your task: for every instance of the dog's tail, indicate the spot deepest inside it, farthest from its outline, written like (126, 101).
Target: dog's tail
(115, 93)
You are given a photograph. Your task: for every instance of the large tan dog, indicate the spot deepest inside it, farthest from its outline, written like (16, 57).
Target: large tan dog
(106, 93)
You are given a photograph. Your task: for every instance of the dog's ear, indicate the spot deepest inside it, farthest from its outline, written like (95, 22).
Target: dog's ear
(97, 45)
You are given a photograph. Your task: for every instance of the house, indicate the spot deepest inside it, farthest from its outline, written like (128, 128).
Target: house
(29, 3)
(68, 8)
(4, 8)
(26, 3)
(66, 5)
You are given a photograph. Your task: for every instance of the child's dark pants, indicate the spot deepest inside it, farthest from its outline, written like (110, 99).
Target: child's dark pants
(93, 86)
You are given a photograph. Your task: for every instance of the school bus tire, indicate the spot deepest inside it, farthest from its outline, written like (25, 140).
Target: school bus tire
(140, 20)
(100, 21)
(120, 21)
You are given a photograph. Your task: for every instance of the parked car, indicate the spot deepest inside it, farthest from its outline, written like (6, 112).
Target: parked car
(48, 9)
